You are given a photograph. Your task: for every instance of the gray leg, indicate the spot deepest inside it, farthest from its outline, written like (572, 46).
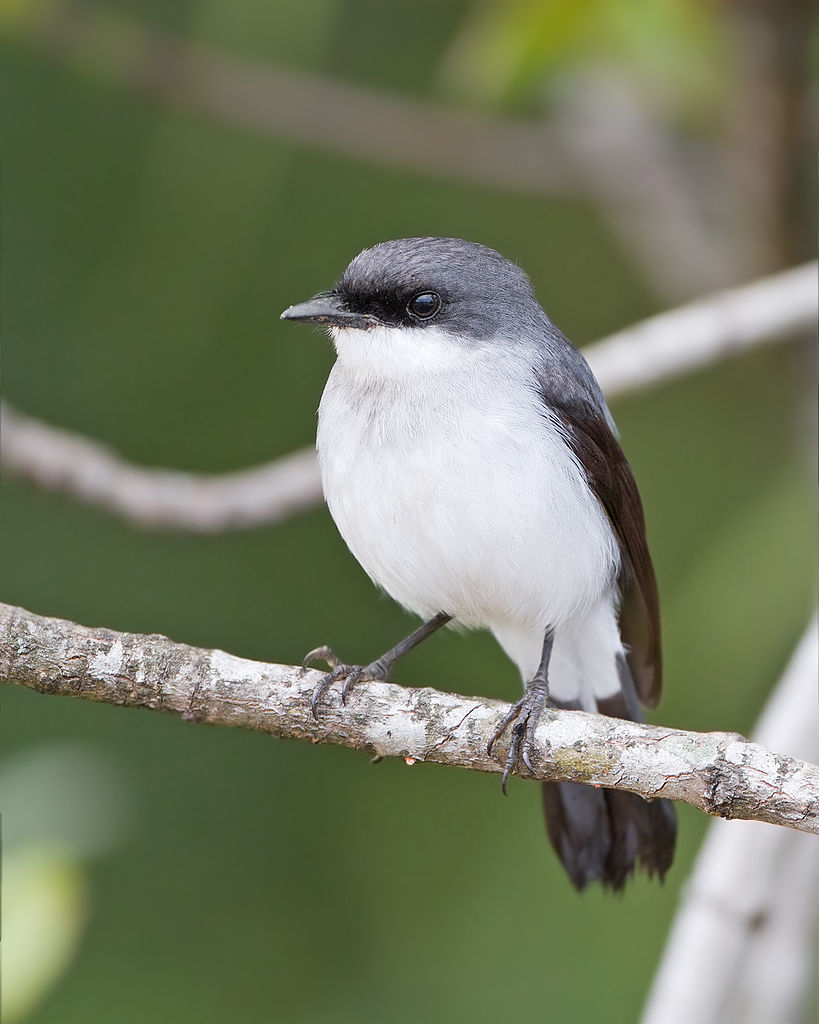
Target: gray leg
(378, 669)
(525, 713)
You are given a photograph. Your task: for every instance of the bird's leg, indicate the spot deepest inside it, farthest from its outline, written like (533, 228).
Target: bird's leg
(525, 713)
(378, 669)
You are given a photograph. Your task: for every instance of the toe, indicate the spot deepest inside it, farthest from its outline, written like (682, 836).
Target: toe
(323, 685)
(512, 756)
(509, 717)
(527, 748)
(317, 692)
(353, 676)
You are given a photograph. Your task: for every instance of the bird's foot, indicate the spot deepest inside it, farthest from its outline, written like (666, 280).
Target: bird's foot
(351, 674)
(525, 714)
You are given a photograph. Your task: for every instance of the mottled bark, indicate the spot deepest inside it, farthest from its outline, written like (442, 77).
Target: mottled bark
(721, 773)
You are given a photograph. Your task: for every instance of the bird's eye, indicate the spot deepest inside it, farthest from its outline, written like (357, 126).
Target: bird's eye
(424, 306)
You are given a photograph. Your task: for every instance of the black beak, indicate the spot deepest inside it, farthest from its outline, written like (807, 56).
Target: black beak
(326, 308)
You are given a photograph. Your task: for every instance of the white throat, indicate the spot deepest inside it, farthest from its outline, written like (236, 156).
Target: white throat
(389, 353)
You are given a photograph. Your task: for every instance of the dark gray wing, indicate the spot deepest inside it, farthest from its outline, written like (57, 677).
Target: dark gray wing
(569, 389)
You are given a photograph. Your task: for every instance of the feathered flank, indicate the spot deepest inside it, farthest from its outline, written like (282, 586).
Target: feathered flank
(590, 433)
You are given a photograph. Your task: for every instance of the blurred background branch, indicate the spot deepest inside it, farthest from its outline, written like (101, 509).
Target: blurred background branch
(309, 109)
(767, 311)
(90, 472)
(720, 773)
(690, 215)
(741, 950)
(712, 101)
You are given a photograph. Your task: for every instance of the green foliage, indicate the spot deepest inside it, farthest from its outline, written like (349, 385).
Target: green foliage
(43, 913)
(62, 805)
(507, 51)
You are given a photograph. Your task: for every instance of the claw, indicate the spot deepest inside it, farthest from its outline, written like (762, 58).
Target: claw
(322, 653)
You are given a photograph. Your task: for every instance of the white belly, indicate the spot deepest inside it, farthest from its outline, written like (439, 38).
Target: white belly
(457, 496)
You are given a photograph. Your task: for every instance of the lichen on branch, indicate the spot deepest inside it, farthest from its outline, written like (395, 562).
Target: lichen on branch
(721, 773)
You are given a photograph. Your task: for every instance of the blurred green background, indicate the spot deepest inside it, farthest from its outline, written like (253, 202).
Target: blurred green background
(158, 870)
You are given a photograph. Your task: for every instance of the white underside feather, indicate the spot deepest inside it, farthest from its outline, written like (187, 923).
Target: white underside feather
(456, 490)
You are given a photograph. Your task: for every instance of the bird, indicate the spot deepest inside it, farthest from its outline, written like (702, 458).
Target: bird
(472, 466)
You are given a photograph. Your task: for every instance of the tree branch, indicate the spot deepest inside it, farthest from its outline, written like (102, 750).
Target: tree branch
(154, 498)
(704, 332)
(685, 249)
(660, 348)
(741, 948)
(721, 773)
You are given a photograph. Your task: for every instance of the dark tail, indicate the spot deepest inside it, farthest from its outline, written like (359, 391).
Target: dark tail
(601, 835)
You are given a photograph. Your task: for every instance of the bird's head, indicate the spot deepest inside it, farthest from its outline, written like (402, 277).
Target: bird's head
(421, 304)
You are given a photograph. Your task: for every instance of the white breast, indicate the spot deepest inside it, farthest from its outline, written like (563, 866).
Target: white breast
(454, 488)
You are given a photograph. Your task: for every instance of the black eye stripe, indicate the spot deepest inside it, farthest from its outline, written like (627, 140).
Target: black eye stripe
(424, 305)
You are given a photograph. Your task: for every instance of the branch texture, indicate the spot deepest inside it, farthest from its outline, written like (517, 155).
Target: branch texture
(657, 349)
(721, 773)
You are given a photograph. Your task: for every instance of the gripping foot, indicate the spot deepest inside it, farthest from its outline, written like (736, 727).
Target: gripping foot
(525, 714)
(377, 670)
(350, 674)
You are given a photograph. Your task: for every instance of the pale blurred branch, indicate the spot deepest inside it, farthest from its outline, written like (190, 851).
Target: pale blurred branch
(742, 948)
(153, 498)
(667, 228)
(609, 152)
(720, 773)
(701, 333)
(306, 108)
(658, 349)
(717, 121)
